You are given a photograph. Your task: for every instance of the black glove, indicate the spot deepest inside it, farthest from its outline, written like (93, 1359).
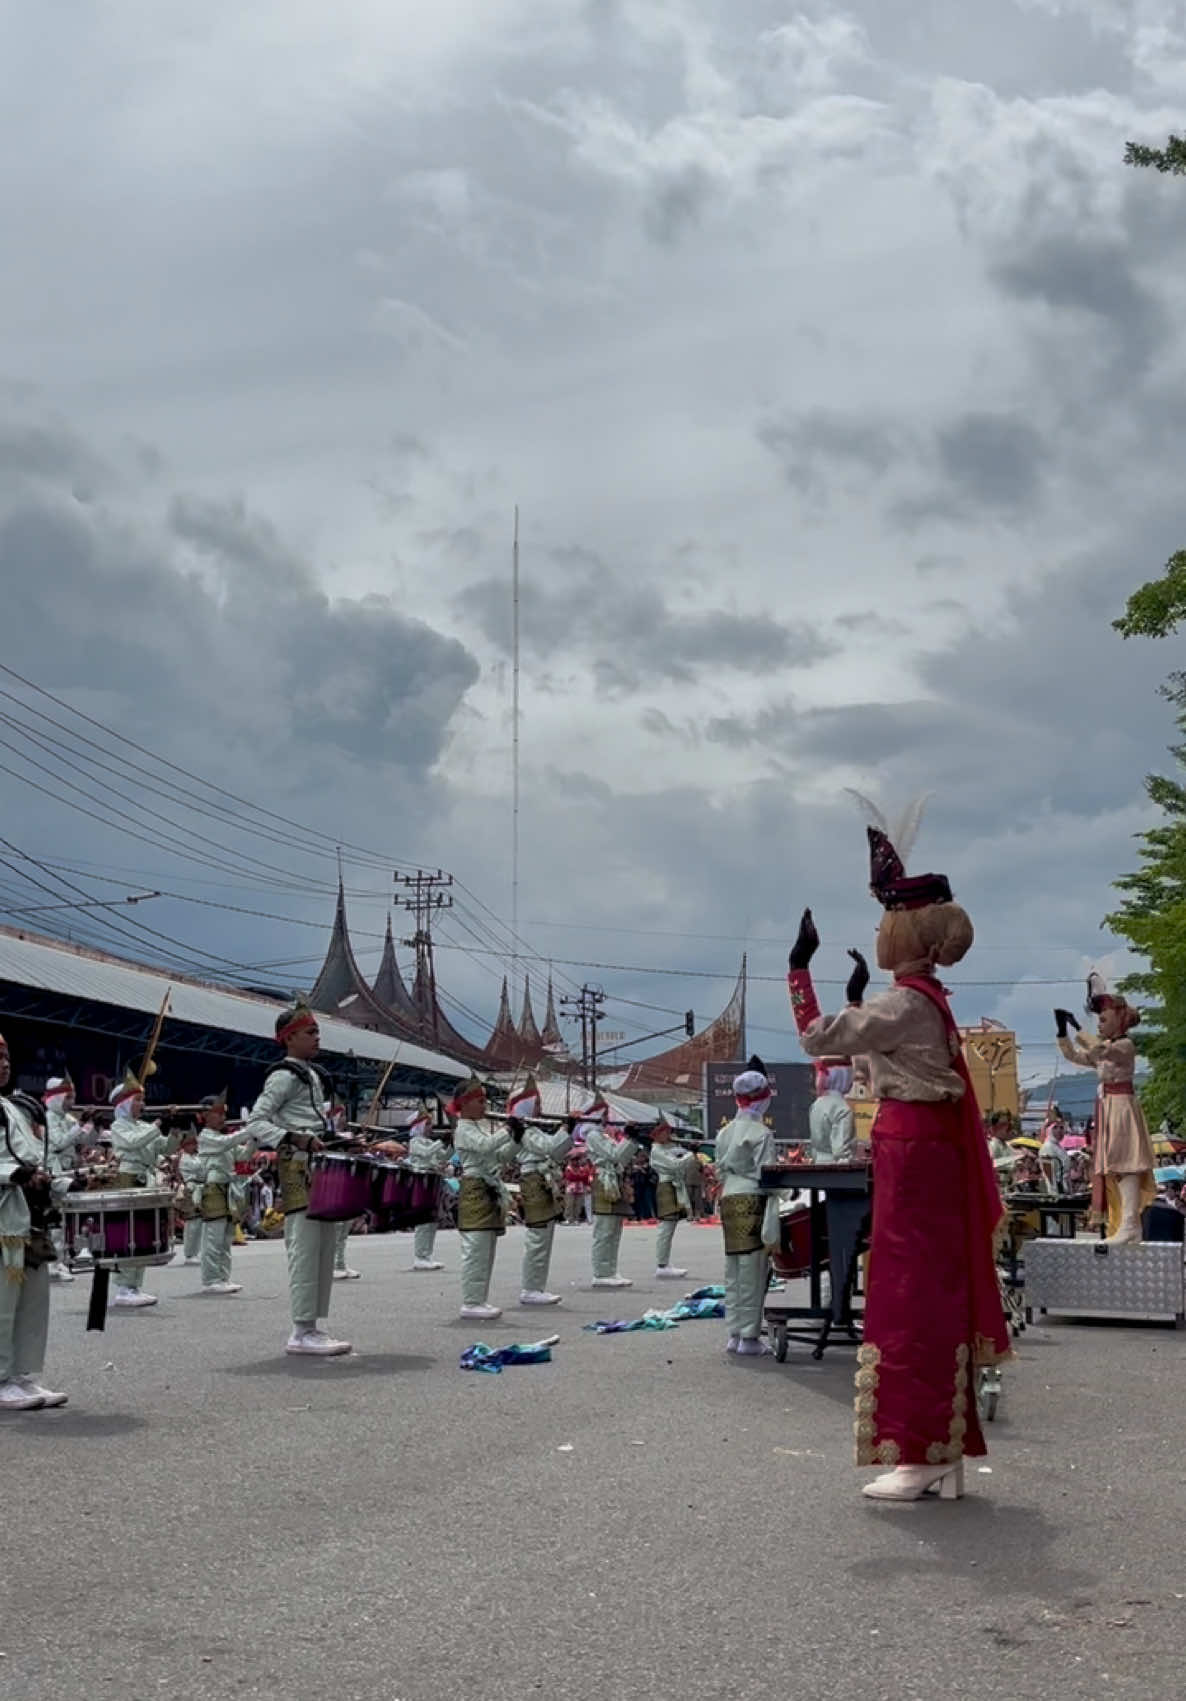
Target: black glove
(517, 1128)
(1065, 1020)
(858, 980)
(806, 945)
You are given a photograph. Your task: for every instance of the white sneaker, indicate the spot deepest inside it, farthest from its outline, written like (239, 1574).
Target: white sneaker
(732, 1344)
(669, 1273)
(316, 1342)
(45, 1396)
(612, 1282)
(223, 1287)
(132, 1299)
(59, 1273)
(526, 1298)
(347, 1275)
(83, 1259)
(481, 1313)
(15, 1397)
(753, 1349)
(426, 1264)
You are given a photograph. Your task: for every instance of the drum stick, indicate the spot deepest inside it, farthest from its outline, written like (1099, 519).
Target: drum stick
(373, 1112)
(146, 1067)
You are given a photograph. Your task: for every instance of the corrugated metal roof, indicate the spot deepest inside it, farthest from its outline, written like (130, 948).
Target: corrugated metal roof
(50, 966)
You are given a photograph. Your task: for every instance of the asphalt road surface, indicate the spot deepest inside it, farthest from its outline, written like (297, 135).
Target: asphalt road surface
(643, 1517)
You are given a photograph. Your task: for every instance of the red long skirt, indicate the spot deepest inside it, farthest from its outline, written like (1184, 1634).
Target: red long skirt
(915, 1398)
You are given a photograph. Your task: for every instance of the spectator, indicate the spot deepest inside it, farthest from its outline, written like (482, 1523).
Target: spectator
(578, 1187)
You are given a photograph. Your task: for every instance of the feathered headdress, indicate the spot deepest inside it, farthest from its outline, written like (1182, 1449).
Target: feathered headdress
(889, 882)
(1099, 998)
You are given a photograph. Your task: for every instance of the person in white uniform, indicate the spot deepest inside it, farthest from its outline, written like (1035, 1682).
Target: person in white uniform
(221, 1195)
(542, 1153)
(611, 1154)
(749, 1220)
(26, 1250)
(483, 1150)
(138, 1147)
(674, 1165)
(428, 1154)
(830, 1120)
(65, 1145)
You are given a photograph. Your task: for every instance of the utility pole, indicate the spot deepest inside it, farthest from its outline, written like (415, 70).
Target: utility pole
(426, 895)
(588, 1006)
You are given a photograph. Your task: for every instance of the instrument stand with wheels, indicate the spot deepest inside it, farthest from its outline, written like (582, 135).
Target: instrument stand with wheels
(839, 1215)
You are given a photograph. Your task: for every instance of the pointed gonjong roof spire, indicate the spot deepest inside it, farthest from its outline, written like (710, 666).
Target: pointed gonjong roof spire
(504, 1048)
(529, 1034)
(552, 1038)
(682, 1067)
(389, 987)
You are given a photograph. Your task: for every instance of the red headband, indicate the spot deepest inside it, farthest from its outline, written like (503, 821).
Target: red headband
(746, 1099)
(136, 1092)
(306, 1019)
(455, 1103)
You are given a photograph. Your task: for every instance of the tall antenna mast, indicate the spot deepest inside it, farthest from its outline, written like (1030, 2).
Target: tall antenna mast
(515, 761)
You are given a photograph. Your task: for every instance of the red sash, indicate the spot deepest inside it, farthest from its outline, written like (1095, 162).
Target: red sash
(982, 1197)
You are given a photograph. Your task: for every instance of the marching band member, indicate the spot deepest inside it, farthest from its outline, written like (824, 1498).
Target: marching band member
(138, 1148)
(216, 1155)
(291, 1115)
(26, 1192)
(611, 1154)
(482, 1203)
(190, 1170)
(670, 1163)
(749, 1221)
(427, 1155)
(65, 1141)
(830, 1120)
(933, 1313)
(539, 1152)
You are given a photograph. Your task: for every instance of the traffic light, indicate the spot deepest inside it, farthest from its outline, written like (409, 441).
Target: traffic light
(689, 1023)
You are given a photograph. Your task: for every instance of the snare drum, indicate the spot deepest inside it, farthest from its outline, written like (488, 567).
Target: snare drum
(119, 1227)
(340, 1187)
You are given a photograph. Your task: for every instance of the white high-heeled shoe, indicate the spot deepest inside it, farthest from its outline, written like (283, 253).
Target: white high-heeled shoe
(912, 1482)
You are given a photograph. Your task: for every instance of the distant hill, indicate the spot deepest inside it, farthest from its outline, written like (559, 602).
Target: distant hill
(1073, 1094)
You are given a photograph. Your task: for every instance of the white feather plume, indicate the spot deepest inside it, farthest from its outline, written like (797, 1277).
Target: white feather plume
(903, 833)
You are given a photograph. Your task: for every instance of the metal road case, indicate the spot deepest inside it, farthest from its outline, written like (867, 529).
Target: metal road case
(1093, 1279)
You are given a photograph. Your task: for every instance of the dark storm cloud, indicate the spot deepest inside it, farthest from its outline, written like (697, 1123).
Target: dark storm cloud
(995, 460)
(1093, 276)
(247, 638)
(630, 631)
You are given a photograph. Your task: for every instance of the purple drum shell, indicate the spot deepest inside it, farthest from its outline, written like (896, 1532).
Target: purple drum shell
(426, 1198)
(339, 1189)
(396, 1197)
(131, 1231)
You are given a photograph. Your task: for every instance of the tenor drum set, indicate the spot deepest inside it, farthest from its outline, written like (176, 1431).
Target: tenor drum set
(343, 1186)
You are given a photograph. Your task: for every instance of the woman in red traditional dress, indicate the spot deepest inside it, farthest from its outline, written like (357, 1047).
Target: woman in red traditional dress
(933, 1311)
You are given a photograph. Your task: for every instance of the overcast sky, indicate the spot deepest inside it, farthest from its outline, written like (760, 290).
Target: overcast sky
(830, 353)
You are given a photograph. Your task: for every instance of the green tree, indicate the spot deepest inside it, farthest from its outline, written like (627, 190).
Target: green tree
(1171, 158)
(1152, 915)
(1152, 918)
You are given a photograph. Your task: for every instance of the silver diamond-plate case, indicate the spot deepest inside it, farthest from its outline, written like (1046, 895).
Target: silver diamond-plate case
(1144, 1281)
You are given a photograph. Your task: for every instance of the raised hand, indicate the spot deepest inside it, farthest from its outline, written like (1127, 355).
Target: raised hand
(1064, 1020)
(806, 945)
(858, 980)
